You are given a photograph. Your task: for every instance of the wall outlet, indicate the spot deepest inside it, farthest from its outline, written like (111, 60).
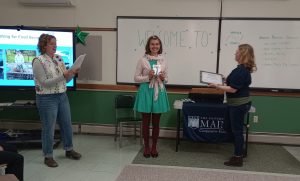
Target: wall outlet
(255, 119)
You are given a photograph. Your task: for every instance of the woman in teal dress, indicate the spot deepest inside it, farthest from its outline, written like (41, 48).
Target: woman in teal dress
(152, 98)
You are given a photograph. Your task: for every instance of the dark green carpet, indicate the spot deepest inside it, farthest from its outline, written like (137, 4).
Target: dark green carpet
(261, 157)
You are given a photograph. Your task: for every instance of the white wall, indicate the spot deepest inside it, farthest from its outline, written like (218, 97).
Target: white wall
(103, 13)
(261, 8)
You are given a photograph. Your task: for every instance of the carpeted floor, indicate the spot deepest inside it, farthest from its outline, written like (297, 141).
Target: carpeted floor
(167, 173)
(261, 157)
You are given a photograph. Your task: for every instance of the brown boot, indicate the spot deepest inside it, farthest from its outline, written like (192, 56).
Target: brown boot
(146, 153)
(145, 131)
(73, 155)
(154, 153)
(155, 134)
(50, 162)
(236, 161)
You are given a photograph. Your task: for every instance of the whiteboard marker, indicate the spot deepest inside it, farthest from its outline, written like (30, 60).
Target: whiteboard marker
(274, 90)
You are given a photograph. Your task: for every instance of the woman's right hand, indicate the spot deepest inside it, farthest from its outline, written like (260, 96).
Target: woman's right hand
(213, 85)
(162, 76)
(151, 74)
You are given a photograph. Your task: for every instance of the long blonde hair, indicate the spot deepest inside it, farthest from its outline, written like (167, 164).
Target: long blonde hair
(247, 57)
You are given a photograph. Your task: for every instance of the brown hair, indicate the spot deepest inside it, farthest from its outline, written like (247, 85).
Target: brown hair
(247, 57)
(44, 39)
(147, 48)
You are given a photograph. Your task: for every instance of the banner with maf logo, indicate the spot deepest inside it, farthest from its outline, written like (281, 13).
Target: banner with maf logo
(207, 122)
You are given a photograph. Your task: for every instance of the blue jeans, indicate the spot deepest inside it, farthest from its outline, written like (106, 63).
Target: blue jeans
(52, 108)
(237, 116)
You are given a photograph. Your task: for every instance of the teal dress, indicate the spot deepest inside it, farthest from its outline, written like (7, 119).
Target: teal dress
(145, 102)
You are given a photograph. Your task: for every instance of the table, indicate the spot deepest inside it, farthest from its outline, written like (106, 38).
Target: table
(178, 104)
(25, 136)
(206, 122)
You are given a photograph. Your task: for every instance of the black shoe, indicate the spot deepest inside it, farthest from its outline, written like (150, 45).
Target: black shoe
(73, 155)
(154, 153)
(50, 162)
(236, 161)
(146, 153)
(244, 153)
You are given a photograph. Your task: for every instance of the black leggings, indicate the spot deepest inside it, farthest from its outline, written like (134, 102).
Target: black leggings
(14, 161)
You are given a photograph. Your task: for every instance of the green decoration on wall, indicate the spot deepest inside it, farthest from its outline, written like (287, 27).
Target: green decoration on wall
(80, 36)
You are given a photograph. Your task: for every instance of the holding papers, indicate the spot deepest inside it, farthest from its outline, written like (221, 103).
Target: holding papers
(210, 78)
(78, 62)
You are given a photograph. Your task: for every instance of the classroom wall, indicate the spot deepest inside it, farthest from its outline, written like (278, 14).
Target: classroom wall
(103, 14)
(276, 114)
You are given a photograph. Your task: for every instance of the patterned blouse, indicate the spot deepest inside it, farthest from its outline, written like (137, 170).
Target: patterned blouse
(48, 74)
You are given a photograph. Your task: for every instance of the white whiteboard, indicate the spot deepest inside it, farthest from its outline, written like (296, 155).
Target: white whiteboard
(276, 46)
(189, 45)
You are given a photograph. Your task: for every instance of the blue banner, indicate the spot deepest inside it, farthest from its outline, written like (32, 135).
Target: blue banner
(206, 122)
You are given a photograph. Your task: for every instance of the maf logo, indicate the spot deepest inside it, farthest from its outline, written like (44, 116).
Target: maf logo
(193, 121)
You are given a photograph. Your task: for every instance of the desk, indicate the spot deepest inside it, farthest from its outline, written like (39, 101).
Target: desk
(12, 106)
(179, 104)
(21, 135)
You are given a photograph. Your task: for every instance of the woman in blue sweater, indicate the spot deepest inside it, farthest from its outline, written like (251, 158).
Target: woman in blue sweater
(238, 98)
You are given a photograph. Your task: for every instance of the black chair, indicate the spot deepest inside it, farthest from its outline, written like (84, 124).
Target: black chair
(126, 116)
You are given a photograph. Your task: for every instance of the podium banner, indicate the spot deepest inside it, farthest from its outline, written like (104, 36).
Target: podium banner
(206, 122)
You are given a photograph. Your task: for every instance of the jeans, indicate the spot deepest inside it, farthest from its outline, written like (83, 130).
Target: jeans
(237, 116)
(52, 108)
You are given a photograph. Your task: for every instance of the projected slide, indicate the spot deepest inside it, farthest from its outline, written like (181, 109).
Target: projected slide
(19, 47)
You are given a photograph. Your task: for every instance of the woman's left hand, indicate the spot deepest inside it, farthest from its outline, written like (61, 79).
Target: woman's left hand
(162, 76)
(75, 71)
(69, 74)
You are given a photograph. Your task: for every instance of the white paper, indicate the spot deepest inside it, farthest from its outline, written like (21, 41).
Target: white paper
(157, 69)
(209, 77)
(5, 104)
(23, 102)
(78, 62)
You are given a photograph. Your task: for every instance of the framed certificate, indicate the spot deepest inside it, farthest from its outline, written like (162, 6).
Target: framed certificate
(211, 78)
